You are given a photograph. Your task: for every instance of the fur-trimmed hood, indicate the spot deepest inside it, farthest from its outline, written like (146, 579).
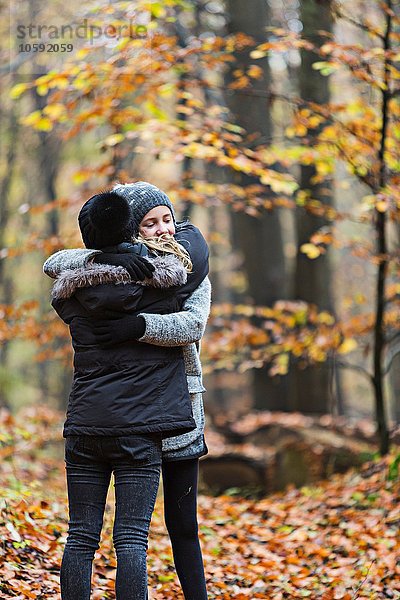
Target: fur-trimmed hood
(169, 272)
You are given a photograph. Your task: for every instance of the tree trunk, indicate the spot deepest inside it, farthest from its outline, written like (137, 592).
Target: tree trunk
(381, 248)
(394, 373)
(10, 135)
(221, 399)
(48, 160)
(259, 239)
(311, 393)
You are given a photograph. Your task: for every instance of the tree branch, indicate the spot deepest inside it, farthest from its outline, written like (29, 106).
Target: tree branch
(338, 12)
(358, 368)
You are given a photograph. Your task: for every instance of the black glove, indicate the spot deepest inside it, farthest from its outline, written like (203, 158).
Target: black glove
(117, 330)
(138, 267)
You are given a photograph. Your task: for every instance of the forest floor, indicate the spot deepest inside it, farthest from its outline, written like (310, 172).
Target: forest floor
(337, 539)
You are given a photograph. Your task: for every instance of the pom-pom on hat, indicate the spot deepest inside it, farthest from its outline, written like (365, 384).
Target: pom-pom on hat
(143, 197)
(106, 220)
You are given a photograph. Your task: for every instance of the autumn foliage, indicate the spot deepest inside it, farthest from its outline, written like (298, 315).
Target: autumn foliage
(335, 540)
(153, 97)
(150, 95)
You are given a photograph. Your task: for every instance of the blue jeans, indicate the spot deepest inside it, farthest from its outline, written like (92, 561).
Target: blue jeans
(136, 462)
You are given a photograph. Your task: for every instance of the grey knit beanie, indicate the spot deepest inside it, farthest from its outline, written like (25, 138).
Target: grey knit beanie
(142, 197)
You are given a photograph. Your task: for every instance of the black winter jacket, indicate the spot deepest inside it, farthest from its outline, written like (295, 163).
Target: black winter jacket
(134, 387)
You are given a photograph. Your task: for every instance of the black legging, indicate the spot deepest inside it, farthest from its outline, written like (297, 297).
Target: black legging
(180, 506)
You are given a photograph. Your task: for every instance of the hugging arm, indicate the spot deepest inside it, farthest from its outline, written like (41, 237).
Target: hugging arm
(173, 329)
(75, 258)
(180, 328)
(137, 266)
(191, 238)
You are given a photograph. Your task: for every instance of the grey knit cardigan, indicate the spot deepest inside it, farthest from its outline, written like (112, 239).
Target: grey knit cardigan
(185, 328)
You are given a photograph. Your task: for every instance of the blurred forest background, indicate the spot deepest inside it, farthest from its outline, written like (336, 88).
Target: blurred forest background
(275, 126)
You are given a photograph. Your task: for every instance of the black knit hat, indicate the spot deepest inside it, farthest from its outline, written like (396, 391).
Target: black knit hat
(142, 197)
(106, 220)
